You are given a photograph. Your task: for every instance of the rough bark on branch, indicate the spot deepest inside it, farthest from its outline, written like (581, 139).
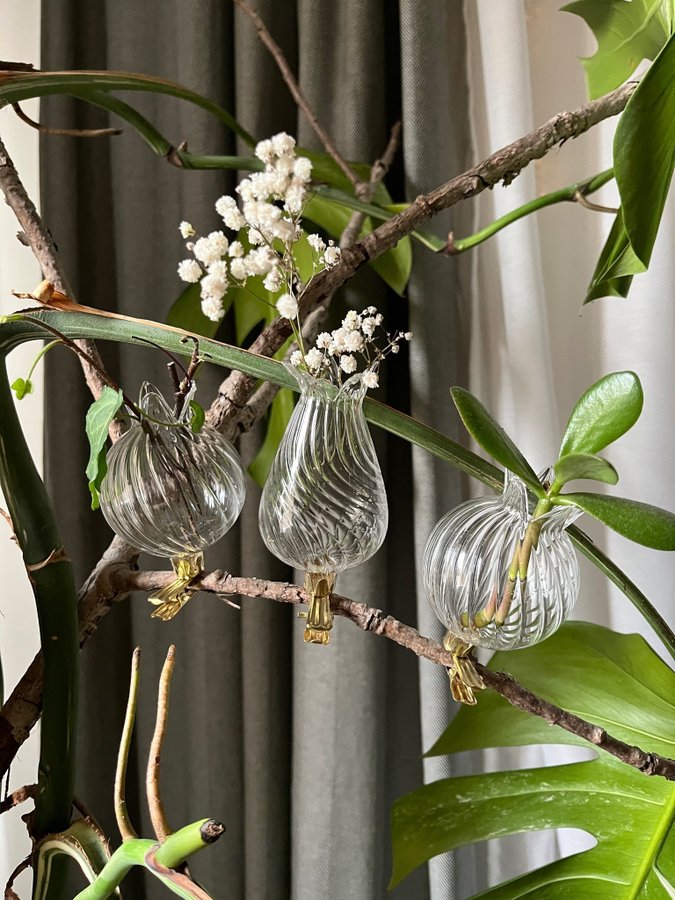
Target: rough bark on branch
(502, 166)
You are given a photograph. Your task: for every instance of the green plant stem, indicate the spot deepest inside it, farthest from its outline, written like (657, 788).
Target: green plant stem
(566, 194)
(51, 576)
(135, 331)
(175, 850)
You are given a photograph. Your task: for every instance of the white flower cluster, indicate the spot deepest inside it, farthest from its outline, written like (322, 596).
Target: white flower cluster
(271, 205)
(360, 334)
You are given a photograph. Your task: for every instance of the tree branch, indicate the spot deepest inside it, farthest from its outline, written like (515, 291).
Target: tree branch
(296, 92)
(503, 166)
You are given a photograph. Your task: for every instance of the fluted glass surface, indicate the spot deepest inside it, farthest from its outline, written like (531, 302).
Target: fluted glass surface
(466, 571)
(324, 507)
(167, 490)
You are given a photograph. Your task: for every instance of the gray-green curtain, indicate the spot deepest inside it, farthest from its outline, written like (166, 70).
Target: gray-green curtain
(299, 750)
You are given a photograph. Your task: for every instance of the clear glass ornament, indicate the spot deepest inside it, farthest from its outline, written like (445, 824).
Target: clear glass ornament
(324, 506)
(172, 492)
(498, 578)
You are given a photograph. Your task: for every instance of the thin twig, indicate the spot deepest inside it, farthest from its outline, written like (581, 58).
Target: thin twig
(155, 805)
(126, 829)
(20, 795)
(374, 620)
(23, 865)
(296, 92)
(582, 200)
(64, 132)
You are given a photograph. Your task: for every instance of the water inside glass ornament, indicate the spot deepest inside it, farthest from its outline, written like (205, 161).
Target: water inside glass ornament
(170, 491)
(468, 567)
(324, 506)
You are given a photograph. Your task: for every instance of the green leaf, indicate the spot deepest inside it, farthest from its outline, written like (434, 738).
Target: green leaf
(493, 439)
(608, 409)
(84, 842)
(280, 412)
(15, 87)
(393, 267)
(198, 416)
(584, 465)
(99, 416)
(649, 525)
(613, 680)
(644, 152)
(616, 266)
(21, 387)
(626, 32)
(186, 312)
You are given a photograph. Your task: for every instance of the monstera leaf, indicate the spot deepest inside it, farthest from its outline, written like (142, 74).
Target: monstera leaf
(613, 680)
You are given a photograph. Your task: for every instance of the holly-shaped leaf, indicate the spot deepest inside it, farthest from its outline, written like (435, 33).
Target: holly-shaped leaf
(603, 413)
(626, 32)
(99, 416)
(492, 438)
(22, 387)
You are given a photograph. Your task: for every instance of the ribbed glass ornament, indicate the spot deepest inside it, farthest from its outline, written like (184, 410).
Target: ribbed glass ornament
(324, 506)
(467, 564)
(168, 490)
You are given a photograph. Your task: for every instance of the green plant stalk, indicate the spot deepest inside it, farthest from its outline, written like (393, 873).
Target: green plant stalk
(53, 584)
(177, 848)
(134, 331)
(566, 194)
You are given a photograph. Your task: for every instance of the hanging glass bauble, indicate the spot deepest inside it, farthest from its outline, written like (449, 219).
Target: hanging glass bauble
(498, 578)
(172, 492)
(324, 507)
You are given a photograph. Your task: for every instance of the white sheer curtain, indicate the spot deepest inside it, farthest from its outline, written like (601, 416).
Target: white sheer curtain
(533, 349)
(19, 41)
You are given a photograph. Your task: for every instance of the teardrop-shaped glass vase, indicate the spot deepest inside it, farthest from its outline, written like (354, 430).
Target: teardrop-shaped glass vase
(170, 491)
(472, 556)
(324, 506)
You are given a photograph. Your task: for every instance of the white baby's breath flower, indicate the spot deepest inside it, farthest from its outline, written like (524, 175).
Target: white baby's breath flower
(371, 310)
(296, 358)
(379, 319)
(316, 242)
(287, 306)
(186, 230)
(331, 256)
(246, 190)
(368, 326)
(408, 335)
(395, 348)
(264, 150)
(348, 364)
(283, 144)
(212, 308)
(273, 280)
(314, 359)
(302, 168)
(235, 250)
(238, 269)
(189, 270)
(352, 320)
(354, 342)
(370, 379)
(295, 196)
(260, 261)
(219, 270)
(227, 208)
(339, 336)
(324, 340)
(211, 248)
(212, 286)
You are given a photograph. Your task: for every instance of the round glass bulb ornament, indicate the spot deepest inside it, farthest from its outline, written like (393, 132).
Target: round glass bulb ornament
(498, 577)
(324, 506)
(172, 492)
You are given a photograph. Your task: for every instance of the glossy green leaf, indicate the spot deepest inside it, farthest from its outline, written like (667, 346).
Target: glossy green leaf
(198, 416)
(626, 32)
(616, 266)
(607, 410)
(493, 439)
(613, 680)
(186, 313)
(280, 412)
(640, 522)
(584, 465)
(22, 387)
(644, 152)
(393, 267)
(15, 87)
(99, 416)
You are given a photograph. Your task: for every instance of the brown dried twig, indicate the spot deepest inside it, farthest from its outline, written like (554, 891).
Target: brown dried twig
(64, 132)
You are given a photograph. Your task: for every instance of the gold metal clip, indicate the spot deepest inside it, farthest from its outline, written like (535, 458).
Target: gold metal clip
(464, 679)
(319, 617)
(172, 598)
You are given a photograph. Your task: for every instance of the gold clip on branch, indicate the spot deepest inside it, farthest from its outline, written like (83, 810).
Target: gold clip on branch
(464, 679)
(319, 618)
(172, 598)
